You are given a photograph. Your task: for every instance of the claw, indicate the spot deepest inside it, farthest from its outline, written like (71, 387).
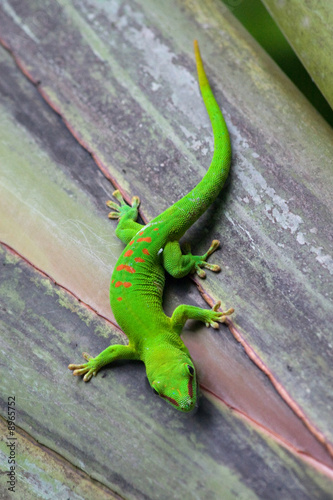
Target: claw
(136, 201)
(200, 272)
(83, 368)
(112, 204)
(214, 246)
(114, 215)
(212, 324)
(230, 311)
(217, 306)
(222, 315)
(76, 367)
(202, 262)
(218, 316)
(212, 267)
(118, 207)
(81, 371)
(118, 197)
(88, 376)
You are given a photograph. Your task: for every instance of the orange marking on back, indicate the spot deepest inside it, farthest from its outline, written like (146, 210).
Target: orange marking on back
(112, 281)
(138, 259)
(126, 284)
(147, 239)
(155, 229)
(128, 253)
(120, 299)
(145, 251)
(141, 232)
(131, 242)
(125, 267)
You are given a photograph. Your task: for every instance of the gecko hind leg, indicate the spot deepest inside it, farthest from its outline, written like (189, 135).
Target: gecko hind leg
(179, 265)
(211, 317)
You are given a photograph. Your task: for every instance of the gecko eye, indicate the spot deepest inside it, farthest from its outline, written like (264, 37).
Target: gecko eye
(190, 369)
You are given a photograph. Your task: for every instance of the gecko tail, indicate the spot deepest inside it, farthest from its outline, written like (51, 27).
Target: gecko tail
(220, 165)
(196, 202)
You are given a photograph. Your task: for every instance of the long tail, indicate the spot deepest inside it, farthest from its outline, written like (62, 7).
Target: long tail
(196, 202)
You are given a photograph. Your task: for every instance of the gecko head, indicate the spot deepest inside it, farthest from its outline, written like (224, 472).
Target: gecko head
(174, 379)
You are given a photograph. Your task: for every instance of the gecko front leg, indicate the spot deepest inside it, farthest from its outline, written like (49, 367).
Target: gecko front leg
(109, 354)
(126, 215)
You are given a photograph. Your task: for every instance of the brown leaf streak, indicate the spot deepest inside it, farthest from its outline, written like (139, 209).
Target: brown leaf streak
(319, 436)
(72, 294)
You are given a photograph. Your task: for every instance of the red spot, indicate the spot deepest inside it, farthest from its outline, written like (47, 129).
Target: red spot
(190, 387)
(125, 267)
(155, 229)
(120, 299)
(173, 401)
(112, 281)
(148, 239)
(126, 284)
(131, 242)
(128, 253)
(141, 232)
(138, 259)
(145, 251)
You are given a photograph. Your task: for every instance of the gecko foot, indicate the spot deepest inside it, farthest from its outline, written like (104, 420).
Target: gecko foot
(214, 316)
(121, 208)
(87, 369)
(200, 262)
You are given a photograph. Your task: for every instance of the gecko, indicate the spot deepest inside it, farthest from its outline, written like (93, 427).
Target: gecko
(138, 278)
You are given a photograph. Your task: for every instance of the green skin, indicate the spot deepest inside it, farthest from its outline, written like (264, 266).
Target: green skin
(138, 278)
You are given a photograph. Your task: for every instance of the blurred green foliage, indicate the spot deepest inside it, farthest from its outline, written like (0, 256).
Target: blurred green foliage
(258, 22)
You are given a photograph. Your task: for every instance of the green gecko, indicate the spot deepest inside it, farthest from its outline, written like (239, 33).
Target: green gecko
(138, 279)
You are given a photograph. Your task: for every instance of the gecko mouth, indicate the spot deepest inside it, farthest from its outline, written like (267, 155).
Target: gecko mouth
(171, 400)
(190, 387)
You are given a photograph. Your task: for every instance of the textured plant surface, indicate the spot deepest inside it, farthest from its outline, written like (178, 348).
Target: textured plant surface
(121, 78)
